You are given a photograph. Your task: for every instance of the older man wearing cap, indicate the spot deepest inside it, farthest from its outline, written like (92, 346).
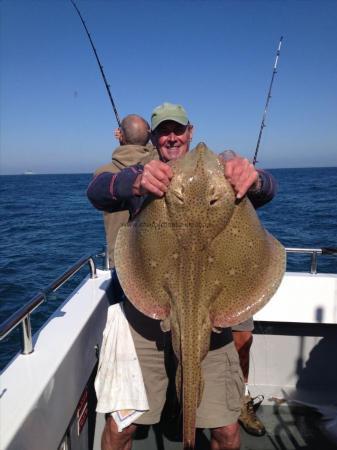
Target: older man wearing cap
(222, 397)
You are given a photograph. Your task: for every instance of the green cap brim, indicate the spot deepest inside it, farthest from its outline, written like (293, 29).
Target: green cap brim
(168, 111)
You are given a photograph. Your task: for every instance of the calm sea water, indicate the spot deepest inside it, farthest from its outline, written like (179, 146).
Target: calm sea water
(47, 224)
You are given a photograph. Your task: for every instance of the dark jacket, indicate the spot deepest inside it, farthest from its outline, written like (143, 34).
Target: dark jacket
(122, 157)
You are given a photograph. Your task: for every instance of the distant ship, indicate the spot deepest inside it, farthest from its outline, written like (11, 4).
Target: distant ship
(28, 172)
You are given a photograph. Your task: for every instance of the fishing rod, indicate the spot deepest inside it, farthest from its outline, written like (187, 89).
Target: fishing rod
(267, 101)
(99, 64)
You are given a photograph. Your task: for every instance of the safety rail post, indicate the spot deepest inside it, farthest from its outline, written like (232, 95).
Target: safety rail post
(26, 336)
(92, 267)
(313, 268)
(311, 251)
(106, 259)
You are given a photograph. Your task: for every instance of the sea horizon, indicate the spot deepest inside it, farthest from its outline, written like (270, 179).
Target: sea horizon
(31, 173)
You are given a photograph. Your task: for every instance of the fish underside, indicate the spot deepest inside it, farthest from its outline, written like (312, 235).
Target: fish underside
(197, 259)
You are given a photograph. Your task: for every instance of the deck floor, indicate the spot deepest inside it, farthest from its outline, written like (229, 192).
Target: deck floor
(287, 429)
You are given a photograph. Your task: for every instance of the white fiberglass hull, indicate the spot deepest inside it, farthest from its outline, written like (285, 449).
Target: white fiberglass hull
(44, 395)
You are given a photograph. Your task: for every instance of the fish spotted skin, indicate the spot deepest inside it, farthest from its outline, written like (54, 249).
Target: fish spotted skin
(200, 202)
(197, 259)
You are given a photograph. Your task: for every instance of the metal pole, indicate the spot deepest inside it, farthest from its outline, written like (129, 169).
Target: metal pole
(106, 258)
(92, 267)
(99, 65)
(313, 268)
(267, 101)
(27, 340)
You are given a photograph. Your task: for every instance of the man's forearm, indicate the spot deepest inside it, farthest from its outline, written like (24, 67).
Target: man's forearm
(265, 191)
(112, 192)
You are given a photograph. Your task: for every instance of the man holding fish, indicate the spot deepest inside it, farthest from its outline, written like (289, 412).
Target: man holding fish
(221, 401)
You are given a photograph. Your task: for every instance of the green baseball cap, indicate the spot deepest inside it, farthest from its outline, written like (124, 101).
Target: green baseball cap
(168, 111)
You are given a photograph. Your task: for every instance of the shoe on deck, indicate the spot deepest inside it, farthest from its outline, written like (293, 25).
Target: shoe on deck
(248, 419)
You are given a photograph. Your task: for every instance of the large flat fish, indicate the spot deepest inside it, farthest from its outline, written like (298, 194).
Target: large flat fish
(197, 259)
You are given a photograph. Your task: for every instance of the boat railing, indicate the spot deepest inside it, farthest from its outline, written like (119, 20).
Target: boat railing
(22, 315)
(314, 253)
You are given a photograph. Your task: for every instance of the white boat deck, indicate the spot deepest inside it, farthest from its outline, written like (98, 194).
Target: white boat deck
(287, 429)
(40, 391)
(293, 357)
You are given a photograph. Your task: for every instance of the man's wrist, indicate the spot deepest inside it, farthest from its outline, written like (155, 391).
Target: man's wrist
(256, 188)
(124, 182)
(136, 187)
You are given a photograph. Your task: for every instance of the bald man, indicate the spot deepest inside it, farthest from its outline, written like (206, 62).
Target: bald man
(134, 149)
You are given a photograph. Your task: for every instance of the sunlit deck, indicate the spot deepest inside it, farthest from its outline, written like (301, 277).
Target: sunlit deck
(288, 428)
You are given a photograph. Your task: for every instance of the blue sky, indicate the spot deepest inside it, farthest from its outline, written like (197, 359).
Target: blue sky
(214, 57)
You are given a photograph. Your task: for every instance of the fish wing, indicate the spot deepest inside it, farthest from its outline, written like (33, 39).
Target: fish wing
(247, 267)
(144, 256)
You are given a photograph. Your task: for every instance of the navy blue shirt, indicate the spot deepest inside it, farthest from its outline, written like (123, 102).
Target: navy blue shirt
(112, 192)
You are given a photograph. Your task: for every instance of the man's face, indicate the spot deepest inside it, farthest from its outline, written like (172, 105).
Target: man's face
(172, 139)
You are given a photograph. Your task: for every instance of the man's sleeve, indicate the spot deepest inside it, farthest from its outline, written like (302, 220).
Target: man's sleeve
(112, 192)
(266, 191)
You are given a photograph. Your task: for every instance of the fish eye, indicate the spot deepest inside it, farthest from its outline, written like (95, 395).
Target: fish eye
(178, 196)
(213, 201)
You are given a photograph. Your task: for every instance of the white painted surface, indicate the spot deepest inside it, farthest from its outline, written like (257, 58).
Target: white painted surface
(276, 361)
(303, 298)
(41, 390)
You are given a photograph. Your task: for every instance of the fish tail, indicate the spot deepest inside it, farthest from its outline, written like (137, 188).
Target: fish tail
(189, 413)
(191, 394)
